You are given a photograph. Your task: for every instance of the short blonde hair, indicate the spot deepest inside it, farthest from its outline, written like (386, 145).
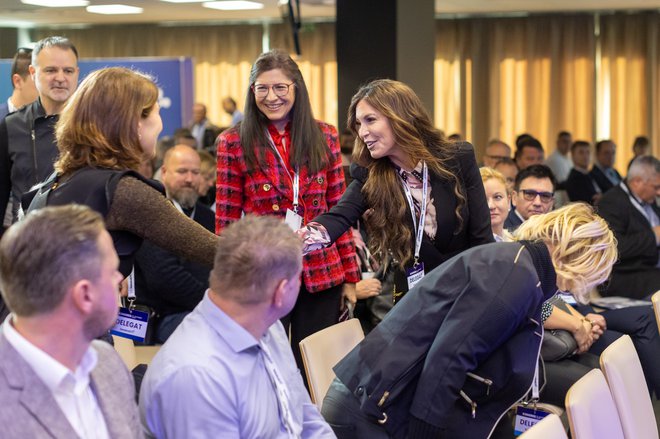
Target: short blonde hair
(491, 174)
(582, 246)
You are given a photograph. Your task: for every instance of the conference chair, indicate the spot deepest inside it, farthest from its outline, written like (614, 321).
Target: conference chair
(549, 427)
(625, 377)
(322, 350)
(126, 350)
(591, 410)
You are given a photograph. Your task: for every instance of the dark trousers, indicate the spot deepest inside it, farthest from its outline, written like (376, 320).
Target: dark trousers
(311, 313)
(341, 410)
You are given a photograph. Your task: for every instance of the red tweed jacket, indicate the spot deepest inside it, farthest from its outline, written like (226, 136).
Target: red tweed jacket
(268, 190)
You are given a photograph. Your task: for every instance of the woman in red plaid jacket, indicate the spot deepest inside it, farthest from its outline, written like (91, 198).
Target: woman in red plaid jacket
(280, 161)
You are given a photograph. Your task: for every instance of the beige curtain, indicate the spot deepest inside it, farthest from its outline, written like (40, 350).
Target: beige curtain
(500, 77)
(222, 55)
(318, 64)
(630, 81)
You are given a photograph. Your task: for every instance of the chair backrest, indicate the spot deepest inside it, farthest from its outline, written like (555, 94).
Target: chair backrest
(623, 371)
(656, 306)
(126, 350)
(549, 427)
(322, 350)
(591, 410)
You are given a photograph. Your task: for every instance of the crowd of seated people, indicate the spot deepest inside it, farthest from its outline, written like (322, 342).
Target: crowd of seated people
(226, 307)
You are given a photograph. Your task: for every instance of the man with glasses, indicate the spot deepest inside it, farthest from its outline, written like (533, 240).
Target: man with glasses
(24, 90)
(533, 194)
(496, 151)
(630, 209)
(27, 137)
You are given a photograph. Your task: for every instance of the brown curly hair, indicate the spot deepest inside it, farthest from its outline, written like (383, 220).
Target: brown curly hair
(419, 140)
(99, 125)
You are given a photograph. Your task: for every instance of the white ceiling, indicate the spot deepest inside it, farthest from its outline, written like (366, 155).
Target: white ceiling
(14, 13)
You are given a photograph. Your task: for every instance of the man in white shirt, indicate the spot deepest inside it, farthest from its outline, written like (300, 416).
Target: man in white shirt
(228, 369)
(59, 277)
(560, 161)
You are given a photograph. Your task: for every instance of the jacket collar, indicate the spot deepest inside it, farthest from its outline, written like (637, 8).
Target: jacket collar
(543, 265)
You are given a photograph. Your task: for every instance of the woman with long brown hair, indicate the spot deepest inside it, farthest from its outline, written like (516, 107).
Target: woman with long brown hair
(280, 161)
(423, 194)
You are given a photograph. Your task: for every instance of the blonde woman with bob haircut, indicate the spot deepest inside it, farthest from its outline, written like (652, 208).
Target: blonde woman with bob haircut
(107, 128)
(463, 346)
(425, 199)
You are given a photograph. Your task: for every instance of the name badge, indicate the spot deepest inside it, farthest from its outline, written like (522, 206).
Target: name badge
(526, 418)
(568, 298)
(131, 324)
(415, 274)
(293, 220)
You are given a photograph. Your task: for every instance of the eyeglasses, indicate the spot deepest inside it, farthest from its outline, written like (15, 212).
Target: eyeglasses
(261, 90)
(497, 158)
(530, 195)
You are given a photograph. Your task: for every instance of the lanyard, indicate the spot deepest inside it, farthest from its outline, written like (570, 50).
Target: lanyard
(419, 229)
(296, 175)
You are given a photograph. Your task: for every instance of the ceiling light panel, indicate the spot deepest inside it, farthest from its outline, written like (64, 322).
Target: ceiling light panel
(229, 5)
(56, 3)
(114, 9)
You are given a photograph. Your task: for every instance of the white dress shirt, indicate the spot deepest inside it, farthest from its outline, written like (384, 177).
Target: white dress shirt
(71, 390)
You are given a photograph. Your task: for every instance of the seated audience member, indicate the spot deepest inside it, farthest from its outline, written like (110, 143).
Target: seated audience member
(580, 185)
(509, 169)
(592, 331)
(498, 198)
(560, 160)
(495, 151)
(603, 172)
(229, 105)
(206, 189)
(169, 284)
(202, 130)
(228, 369)
(420, 373)
(529, 151)
(60, 280)
(632, 213)
(641, 147)
(533, 193)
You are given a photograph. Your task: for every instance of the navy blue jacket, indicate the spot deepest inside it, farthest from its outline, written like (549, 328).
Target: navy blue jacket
(479, 313)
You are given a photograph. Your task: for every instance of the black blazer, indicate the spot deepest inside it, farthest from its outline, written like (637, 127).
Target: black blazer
(601, 179)
(512, 221)
(580, 187)
(636, 240)
(476, 216)
(168, 283)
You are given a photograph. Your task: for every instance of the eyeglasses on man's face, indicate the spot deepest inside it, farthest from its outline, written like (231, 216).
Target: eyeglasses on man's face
(530, 195)
(261, 90)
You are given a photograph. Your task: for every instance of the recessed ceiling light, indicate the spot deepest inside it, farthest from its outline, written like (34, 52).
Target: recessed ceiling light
(231, 5)
(114, 9)
(56, 3)
(183, 1)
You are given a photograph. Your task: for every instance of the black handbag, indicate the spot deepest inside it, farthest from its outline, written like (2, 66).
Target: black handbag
(557, 344)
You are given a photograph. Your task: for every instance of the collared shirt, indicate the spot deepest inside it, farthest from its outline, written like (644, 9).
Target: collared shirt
(10, 106)
(609, 173)
(72, 390)
(210, 380)
(560, 165)
(414, 182)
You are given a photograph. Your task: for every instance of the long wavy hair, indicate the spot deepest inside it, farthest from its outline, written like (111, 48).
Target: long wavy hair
(309, 147)
(419, 140)
(99, 124)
